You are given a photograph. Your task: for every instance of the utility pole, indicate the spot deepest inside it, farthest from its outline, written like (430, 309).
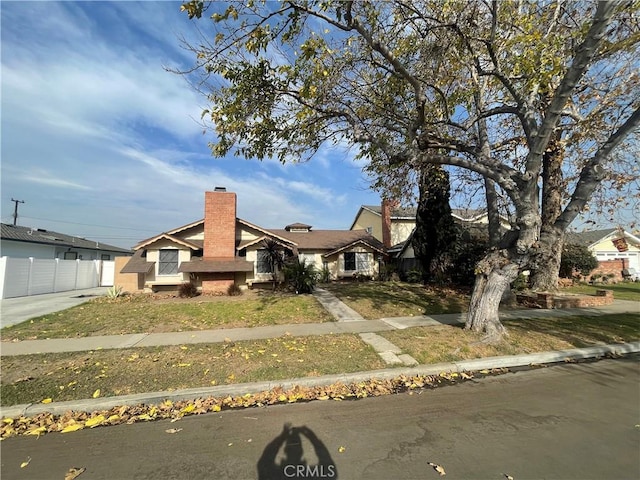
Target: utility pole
(15, 211)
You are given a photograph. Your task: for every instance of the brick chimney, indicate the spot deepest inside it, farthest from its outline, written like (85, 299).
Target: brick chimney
(219, 223)
(387, 206)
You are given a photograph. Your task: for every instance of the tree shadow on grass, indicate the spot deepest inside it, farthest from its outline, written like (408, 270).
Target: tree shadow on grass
(383, 296)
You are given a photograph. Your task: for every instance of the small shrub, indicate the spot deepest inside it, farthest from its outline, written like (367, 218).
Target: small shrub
(361, 277)
(187, 290)
(300, 277)
(414, 276)
(234, 290)
(325, 274)
(114, 292)
(595, 277)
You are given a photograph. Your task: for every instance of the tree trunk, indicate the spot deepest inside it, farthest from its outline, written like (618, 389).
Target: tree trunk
(544, 275)
(496, 272)
(546, 261)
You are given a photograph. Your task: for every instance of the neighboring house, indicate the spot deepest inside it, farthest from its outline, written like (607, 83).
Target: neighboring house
(25, 242)
(394, 227)
(614, 248)
(222, 249)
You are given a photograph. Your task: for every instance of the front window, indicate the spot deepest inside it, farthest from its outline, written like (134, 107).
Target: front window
(307, 258)
(264, 264)
(349, 261)
(168, 262)
(357, 261)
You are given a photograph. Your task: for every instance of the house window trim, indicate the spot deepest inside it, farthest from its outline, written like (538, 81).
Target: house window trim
(358, 267)
(177, 262)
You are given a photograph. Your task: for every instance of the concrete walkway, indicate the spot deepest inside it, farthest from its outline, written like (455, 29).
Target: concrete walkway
(19, 309)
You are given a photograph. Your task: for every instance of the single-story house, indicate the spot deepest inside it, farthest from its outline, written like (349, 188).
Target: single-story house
(614, 248)
(25, 242)
(221, 249)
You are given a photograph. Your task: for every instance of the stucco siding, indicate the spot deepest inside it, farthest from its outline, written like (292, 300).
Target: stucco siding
(368, 219)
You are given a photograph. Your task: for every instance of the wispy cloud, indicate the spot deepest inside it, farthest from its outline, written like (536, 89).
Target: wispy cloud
(96, 131)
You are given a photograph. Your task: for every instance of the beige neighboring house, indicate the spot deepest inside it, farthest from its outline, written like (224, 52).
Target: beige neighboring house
(610, 244)
(394, 226)
(222, 249)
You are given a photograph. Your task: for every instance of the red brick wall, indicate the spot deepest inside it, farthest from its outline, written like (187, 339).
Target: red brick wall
(387, 205)
(616, 266)
(219, 224)
(217, 282)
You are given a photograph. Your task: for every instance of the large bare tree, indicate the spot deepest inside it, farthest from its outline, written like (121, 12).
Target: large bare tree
(539, 99)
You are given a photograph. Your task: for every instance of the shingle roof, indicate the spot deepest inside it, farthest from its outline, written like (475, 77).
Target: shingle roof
(588, 238)
(327, 239)
(49, 237)
(138, 264)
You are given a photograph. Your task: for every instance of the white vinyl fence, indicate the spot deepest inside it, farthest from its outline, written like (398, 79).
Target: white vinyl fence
(20, 277)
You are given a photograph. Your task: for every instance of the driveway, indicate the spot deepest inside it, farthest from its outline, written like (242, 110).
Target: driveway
(19, 309)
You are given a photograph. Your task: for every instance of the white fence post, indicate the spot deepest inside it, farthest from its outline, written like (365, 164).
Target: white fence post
(3, 269)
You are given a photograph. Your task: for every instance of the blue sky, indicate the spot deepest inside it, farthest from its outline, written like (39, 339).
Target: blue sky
(100, 141)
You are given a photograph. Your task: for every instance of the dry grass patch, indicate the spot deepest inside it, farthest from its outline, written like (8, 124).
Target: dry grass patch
(152, 314)
(375, 300)
(69, 376)
(452, 343)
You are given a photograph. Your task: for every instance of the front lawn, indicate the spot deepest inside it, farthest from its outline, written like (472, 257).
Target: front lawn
(452, 343)
(152, 314)
(621, 291)
(72, 376)
(375, 300)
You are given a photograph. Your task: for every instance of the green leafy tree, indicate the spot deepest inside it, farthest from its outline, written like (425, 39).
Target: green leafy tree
(483, 86)
(435, 231)
(577, 258)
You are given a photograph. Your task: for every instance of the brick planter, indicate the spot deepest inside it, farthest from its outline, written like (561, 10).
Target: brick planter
(552, 300)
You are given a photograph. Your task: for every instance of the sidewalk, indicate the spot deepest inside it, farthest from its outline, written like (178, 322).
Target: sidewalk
(345, 323)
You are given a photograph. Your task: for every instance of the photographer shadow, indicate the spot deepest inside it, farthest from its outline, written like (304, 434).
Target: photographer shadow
(294, 464)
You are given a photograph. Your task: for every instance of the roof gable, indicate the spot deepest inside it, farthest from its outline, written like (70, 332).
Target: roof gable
(171, 238)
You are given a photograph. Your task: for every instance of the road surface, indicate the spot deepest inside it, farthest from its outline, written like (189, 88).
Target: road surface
(578, 421)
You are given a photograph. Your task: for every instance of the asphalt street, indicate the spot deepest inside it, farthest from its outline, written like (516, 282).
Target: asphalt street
(576, 421)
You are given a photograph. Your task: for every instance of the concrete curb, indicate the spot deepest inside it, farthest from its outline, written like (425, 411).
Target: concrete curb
(90, 405)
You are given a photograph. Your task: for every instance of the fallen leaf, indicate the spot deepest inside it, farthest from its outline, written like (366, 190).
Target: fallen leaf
(438, 469)
(36, 431)
(96, 394)
(72, 428)
(46, 400)
(95, 421)
(74, 472)
(508, 477)
(173, 430)
(25, 463)
(341, 450)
